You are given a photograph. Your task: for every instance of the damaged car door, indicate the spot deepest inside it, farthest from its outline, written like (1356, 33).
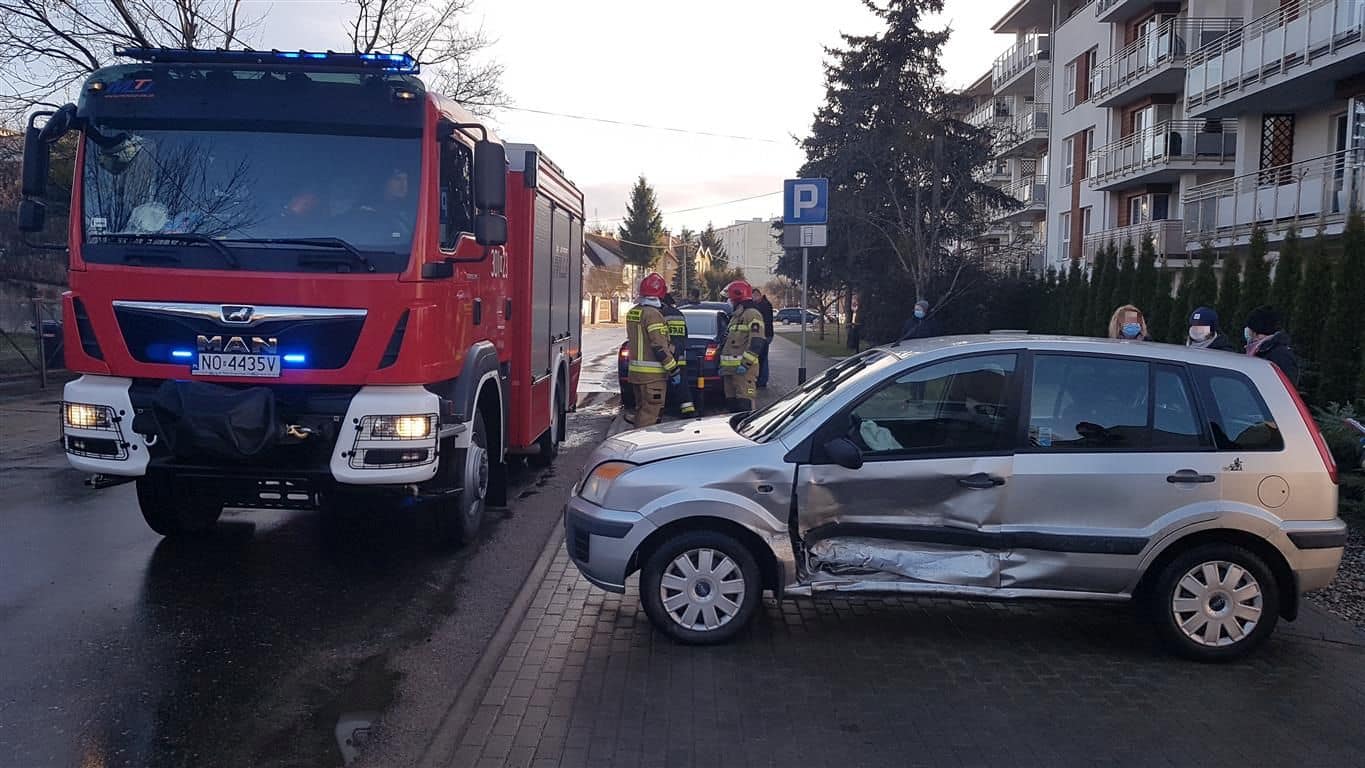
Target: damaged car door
(907, 484)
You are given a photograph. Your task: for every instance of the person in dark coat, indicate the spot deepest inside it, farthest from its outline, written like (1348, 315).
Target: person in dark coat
(765, 308)
(920, 325)
(1205, 334)
(1266, 340)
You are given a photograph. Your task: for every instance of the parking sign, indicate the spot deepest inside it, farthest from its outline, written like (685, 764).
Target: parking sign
(805, 201)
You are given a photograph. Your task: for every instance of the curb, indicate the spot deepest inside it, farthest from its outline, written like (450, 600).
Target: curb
(440, 751)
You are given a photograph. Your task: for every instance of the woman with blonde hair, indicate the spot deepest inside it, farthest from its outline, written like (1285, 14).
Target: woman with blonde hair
(1127, 322)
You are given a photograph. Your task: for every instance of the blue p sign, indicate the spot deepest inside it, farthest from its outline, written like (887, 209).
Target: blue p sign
(805, 201)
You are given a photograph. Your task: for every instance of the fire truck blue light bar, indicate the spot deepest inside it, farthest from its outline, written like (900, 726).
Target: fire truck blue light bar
(400, 63)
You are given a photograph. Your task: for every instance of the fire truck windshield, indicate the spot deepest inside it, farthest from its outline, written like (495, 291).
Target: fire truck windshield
(263, 193)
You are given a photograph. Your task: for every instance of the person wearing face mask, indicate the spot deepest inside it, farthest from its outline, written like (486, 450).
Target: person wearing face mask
(1204, 332)
(1128, 323)
(1265, 340)
(920, 325)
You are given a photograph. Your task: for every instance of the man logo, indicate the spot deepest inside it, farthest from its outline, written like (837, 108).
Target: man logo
(237, 314)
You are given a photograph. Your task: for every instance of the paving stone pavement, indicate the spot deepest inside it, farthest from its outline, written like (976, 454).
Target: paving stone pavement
(903, 682)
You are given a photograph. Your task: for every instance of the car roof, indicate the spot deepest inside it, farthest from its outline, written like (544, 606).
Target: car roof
(1174, 353)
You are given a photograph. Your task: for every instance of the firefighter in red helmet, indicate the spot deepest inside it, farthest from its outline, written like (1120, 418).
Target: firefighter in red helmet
(743, 344)
(652, 367)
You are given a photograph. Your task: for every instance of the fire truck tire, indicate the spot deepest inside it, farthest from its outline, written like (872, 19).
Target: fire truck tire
(460, 516)
(173, 509)
(554, 435)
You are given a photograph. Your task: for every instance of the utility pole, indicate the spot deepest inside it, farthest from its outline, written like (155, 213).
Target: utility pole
(805, 277)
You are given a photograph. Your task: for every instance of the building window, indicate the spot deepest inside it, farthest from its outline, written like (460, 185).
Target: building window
(1066, 232)
(1069, 81)
(1085, 220)
(1277, 148)
(1069, 161)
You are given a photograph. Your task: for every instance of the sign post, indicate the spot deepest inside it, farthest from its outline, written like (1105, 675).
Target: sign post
(805, 214)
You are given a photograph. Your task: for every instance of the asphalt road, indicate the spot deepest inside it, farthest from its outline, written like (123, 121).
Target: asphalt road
(253, 646)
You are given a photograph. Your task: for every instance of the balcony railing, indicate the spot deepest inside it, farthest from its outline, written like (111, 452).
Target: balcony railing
(989, 114)
(1167, 236)
(1105, 5)
(1322, 189)
(1030, 190)
(1166, 45)
(1288, 38)
(1018, 58)
(1189, 141)
(1029, 125)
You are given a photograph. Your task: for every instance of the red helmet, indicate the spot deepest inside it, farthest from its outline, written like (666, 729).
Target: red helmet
(739, 290)
(653, 286)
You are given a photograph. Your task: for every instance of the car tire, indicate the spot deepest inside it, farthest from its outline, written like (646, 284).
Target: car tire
(1216, 602)
(627, 396)
(172, 508)
(692, 608)
(459, 517)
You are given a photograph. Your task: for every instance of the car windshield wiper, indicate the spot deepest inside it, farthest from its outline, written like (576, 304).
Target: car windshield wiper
(317, 242)
(175, 237)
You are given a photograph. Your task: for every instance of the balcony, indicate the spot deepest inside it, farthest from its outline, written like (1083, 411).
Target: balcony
(1313, 195)
(1031, 191)
(990, 114)
(993, 173)
(1164, 152)
(1285, 60)
(1025, 135)
(1167, 236)
(1155, 62)
(1014, 71)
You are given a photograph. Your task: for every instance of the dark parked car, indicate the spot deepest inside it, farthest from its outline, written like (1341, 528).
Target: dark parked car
(706, 328)
(793, 315)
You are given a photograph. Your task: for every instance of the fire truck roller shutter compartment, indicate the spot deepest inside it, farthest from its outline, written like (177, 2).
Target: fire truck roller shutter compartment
(542, 255)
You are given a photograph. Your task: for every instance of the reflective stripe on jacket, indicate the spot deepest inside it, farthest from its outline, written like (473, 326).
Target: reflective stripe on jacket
(651, 358)
(743, 340)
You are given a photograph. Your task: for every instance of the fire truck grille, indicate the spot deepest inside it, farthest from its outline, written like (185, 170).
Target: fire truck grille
(327, 342)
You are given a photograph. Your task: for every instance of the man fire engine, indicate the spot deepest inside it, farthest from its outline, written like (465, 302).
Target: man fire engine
(301, 280)
(744, 342)
(652, 366)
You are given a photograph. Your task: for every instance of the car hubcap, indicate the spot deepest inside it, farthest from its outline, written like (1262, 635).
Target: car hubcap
(1217, 603)
(702, 589)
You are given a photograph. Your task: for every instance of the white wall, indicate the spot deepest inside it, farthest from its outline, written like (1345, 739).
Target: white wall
(751, 247)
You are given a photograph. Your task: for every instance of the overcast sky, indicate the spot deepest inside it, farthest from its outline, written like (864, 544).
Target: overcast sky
(741, 67)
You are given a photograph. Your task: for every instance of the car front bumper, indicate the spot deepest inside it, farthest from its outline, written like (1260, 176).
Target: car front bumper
(603, 542)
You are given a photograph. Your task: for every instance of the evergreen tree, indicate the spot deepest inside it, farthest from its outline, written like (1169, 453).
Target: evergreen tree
(1256, 278)
(1078, 285)
(1310, 317)
(1146, 288)
(1341, 348)
(1127, 280)
(642, 232)
(720, 260)
(1053, 305)
(1104, 305)
(1230, 296)
(1204, 290)
(1159, 310)
(1288, 273)
(686, 251)
(1177, 326)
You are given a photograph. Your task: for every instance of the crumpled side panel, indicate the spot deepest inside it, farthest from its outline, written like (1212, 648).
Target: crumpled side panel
(929, 563)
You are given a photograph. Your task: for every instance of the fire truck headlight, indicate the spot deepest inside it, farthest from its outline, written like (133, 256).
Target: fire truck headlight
(408, 427)
(86, 416)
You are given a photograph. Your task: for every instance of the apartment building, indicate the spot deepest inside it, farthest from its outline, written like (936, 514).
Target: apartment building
(751, 247)
(1192, 122)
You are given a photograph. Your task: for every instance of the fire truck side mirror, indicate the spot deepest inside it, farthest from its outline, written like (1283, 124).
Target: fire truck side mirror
(490, 176)
(490, 229)
(32, 215)
(37, 155)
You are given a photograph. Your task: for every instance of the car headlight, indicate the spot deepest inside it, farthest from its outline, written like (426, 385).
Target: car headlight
(86, 416)
(410, 427)
(599, 481)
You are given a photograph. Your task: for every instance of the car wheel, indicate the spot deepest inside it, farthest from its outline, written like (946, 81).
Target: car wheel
(172, 508)
(701, 587)
(1216, 602)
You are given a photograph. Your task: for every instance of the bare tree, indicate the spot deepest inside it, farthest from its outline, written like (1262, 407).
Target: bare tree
(51, 45)
(433, 32)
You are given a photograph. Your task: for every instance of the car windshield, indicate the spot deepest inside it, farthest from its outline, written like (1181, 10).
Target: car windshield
(702, 323)
(764, 424)
(151, 186)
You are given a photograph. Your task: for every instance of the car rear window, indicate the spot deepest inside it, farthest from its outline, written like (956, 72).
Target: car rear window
(1238, 417)
(704, 323)
(1090, 403)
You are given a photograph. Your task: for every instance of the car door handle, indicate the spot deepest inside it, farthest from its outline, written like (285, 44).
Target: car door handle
(980, 481)
(1189, 476)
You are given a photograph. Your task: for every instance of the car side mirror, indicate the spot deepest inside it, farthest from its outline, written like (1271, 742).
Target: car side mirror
(32, 216)
(490, 229)
(844, 452)
(490, 176)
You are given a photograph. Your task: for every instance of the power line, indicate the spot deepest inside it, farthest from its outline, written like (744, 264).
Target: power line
(700, 207)
(646, 126)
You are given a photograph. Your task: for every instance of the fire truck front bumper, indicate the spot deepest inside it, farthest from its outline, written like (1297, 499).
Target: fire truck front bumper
(364, 436)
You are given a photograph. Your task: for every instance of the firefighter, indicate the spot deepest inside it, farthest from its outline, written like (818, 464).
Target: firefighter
(680, 393)
(743, 344)
(652, 367)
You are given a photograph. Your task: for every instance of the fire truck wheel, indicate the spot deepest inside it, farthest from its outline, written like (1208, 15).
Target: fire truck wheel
(172, 508)
(549, 442)
(459, 517)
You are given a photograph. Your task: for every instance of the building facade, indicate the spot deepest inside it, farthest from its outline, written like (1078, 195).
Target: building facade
(751, 247)
(1190, 122)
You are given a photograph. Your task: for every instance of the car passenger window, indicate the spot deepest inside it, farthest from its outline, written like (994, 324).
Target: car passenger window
(457, 192)
(957, 406)
(1175, 425)
(1089, 404)
(1237, 414)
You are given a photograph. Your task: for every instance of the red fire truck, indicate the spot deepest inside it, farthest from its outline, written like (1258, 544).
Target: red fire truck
(299, 280)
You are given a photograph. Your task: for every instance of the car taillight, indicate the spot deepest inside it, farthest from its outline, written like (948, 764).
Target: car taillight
(1323, 450)
(711, 352)
(625, 353)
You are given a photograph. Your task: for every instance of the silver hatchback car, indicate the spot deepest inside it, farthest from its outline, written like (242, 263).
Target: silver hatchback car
(1006, 467)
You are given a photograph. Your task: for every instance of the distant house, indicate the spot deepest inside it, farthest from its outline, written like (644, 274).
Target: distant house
(608, 281)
